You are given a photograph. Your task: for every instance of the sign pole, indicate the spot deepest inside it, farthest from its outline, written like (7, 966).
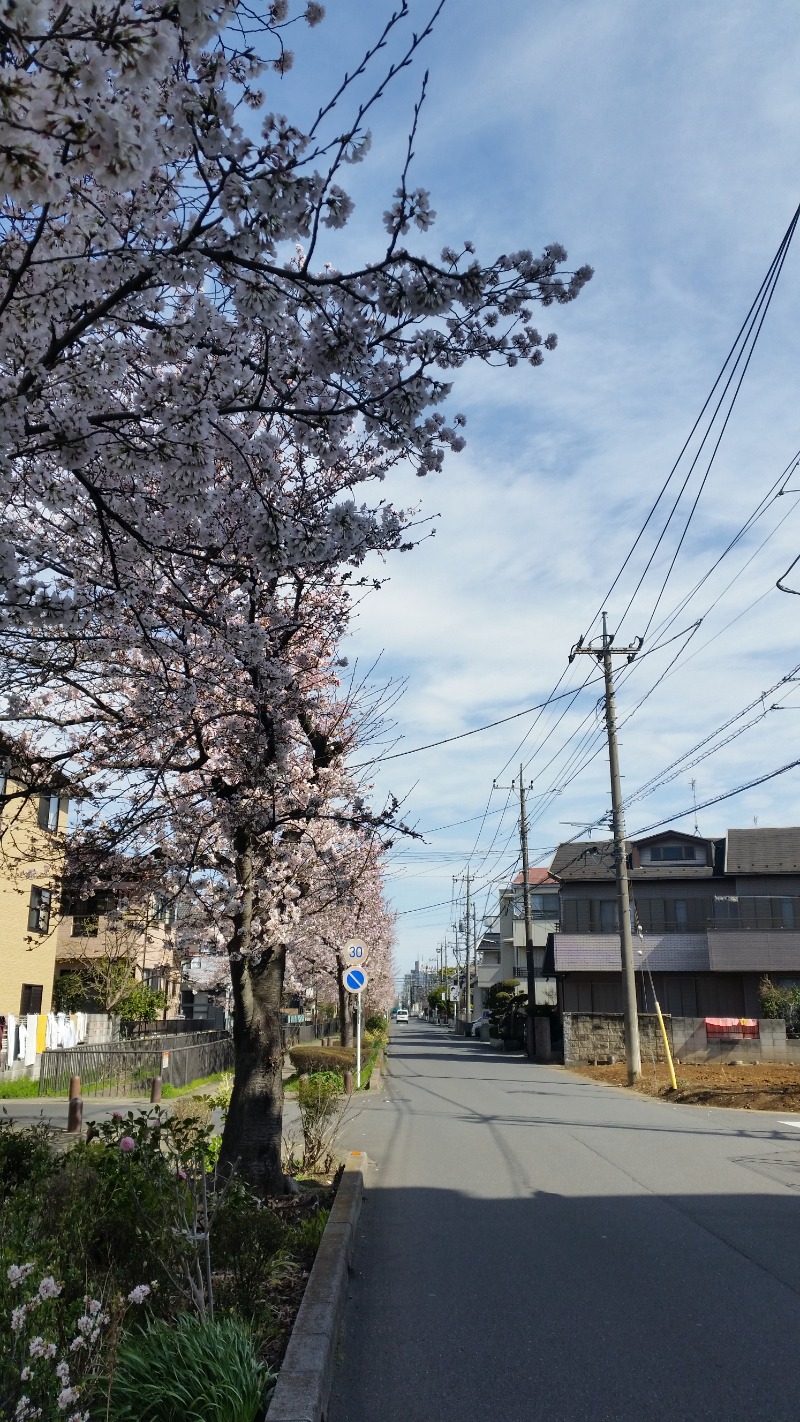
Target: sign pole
(358, 1042)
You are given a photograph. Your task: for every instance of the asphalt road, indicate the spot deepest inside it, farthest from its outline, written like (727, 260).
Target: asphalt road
(536, 1246)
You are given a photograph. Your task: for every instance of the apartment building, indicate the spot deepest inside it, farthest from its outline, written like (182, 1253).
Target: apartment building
(32, 846)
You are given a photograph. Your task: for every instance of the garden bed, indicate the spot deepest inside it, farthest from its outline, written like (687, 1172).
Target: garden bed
(754, 1086)
(137, 1282)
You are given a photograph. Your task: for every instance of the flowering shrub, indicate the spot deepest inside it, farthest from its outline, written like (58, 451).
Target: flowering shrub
(137, 1220)
(57, 1374)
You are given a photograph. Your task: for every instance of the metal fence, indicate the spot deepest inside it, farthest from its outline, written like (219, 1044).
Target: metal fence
(126, 1069)
(296, 1032)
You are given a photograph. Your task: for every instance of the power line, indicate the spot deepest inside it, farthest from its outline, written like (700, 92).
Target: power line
(717, 799)
(462, 735)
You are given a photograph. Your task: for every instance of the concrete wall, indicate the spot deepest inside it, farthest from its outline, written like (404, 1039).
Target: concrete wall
(690, 1043)
(589, 1035)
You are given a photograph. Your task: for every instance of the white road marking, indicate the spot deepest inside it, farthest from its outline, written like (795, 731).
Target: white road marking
(796, 1124)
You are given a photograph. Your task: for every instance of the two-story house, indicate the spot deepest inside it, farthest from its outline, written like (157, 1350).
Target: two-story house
(710, 918)
(501, 949)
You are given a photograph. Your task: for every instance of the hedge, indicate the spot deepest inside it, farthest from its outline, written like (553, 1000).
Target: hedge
(317, 1058)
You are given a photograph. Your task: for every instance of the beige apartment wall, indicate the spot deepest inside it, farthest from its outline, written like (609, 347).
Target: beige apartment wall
(29, 856)
(151, 948)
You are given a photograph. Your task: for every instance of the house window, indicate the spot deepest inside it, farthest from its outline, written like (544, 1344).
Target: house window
(165, 909)
(681, 915)
(673, 853)
(31, 1000)
(609, 920)
(48, 813)
(39, 912)
(787, 913)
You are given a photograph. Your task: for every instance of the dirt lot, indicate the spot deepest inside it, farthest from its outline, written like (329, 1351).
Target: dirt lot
(753, 1087)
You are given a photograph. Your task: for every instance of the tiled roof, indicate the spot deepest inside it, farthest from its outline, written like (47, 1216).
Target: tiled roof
(594, 859)
(538, 876)
(763, 851)
(584, 859)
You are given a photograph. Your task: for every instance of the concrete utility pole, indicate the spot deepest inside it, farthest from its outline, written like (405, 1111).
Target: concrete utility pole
(455, 977)
(530, 1044)
(604, 655)
(468, 1014)
(530, 971)
(467, 996)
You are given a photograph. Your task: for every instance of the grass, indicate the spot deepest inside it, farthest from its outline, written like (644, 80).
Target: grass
(168, 1091)
(16, 1090)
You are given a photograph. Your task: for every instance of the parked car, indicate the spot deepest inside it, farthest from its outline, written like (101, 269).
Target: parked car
(402, 1015)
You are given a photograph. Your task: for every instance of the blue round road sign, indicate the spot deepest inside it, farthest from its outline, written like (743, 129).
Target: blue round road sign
(355, 979)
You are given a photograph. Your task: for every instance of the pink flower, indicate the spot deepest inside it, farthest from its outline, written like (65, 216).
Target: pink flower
(127, 1143)
(48, 1288)
(17, 1272)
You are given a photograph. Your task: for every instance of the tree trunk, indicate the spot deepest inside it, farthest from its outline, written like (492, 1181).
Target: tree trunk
(345, 1010)
(251, 1141)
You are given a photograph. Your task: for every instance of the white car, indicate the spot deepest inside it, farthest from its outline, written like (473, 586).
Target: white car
(402, 1015)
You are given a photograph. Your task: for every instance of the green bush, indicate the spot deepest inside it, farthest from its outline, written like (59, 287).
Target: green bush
(781, 1002)
(141, 1004)
(313, 1058)
(243, 1276)
(305, 1238)
(25, 1155)
(204, 1370)
(376, 1024)
(69, 993)
(321, 1101)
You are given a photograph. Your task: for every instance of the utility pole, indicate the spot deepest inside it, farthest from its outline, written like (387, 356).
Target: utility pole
(468, 1014)
(530, 1043)
(456, 879)
(603, 656)
(455, 978)
(530, 970)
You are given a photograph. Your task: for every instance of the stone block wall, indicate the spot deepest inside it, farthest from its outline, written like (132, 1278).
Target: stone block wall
(588, 1035)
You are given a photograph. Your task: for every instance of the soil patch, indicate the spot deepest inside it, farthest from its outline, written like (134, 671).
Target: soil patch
(754, 1086)
(289, 1284)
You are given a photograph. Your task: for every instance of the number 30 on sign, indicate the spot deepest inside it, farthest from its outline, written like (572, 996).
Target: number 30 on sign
(353, 953)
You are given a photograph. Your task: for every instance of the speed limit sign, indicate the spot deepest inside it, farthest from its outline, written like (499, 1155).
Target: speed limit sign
(353, 953)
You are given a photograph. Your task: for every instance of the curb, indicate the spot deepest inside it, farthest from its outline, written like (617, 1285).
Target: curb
(304, 1382)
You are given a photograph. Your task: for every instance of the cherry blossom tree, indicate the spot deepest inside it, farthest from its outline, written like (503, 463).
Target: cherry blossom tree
(197, 410)
(347, 900)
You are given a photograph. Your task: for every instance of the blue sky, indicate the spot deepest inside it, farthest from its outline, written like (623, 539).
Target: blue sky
(661, 144)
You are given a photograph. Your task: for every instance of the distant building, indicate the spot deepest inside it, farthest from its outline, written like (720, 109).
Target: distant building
(711, 917)
(417, 984)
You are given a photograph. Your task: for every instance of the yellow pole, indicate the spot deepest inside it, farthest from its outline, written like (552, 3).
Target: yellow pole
(666, 1045)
